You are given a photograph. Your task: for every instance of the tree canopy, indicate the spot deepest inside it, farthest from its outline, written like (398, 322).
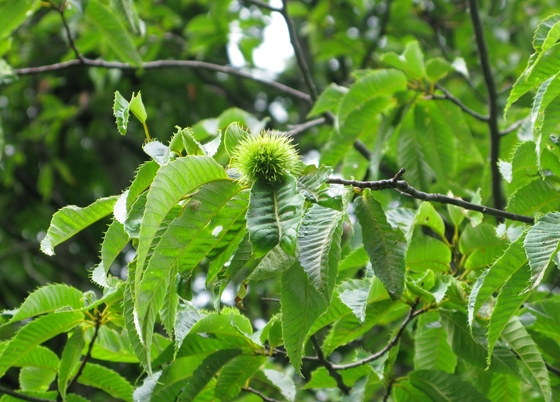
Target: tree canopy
(374, 218)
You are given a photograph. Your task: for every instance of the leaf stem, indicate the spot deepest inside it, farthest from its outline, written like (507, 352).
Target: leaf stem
(260, 394)
(449, 96)
(60, 11)
(492, 103)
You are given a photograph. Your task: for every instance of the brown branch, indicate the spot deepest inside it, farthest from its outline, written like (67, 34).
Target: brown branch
(411, 314)
(260, 394)
(329, 366)
(60, 11)
(407, 189)
(158, 64)
(22, 396)
(514, 126)
(300, 128)
(88, 354)
(299, 52)
(552, 369)
(449, 96)
(493, 112)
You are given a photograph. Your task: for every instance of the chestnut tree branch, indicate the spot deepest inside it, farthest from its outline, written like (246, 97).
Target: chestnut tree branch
(449, 96)
(329, 366)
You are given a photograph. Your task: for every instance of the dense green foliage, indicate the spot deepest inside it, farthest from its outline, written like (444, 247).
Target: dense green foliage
(228, 269)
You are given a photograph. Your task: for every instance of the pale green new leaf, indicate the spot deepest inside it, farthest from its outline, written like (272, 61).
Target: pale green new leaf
(274, 216)
(425, 252)
(145, 175)
(113, 243)
(107, 380)
(233, 134)
(438, 68)
(442, 386)
(137, 107)
(319, 239)
(39, 356)
(354, 293)
(411, 61)
(157, 151)
(48, 299)
(432, 352)
(113, 31)
(301, 304)
(428, 216)
(496, 276)
(283, 382)
(521, 343)
(329, 100)
(13, 13)
(205, 372)
(546, 32)
(121, 112)
(541, 245)
(70, 358)
(36, 379)
(235, 375)
(385, 246)
(507, 303)
(35, 333)
(71, 219)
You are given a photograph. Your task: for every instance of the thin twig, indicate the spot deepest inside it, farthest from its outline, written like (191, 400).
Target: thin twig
(514, 126)
(270, 299)
(407, 189)
(552, 369)
(163, 64)
(300, 128)
(299, 52)
(22, 396)
(67, 29)
(262, 4)
(263, 396)
(389, 388)
(283, 353)
(449, 96)
(88, 354)
(329, 366)
(493, 112)
(411, 314)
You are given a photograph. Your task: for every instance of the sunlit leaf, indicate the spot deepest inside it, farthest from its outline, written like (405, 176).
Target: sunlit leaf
(441, 386)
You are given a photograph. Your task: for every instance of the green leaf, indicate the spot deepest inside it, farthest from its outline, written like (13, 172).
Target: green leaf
(206, 371)
(145, 176)
(70, 358)
(385, 246)
(411, 61)
(114, 241)
(481, 245)
(329, 100)
(545, 33)
(521, 343)
(505, 388)
(301, 304)
(107, 380)
(541, 245)
(48, 299)
(354, 293)
(411, 156)
(404, 391)
(274, 216)
(432, 352)
(425, 252)
(172, 182)
(283, 382)
(537, 196)
(466, 348)
(71, 219)
(113, 31)
(235, 375)
(188, 240)
(35, 333)
(157, 151)
(496, 276)
(436, 139)
(13, 13)
(121, 112)
(233, 134)
(137, 107)
(442, 386)
(36, 379)
(428, 216)
(130, 325)
(349, 327)
(312, 184)
(274, 263)
(320, 378)
(39, 356)
(438, 68)
(507, 303)
(319, 239)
